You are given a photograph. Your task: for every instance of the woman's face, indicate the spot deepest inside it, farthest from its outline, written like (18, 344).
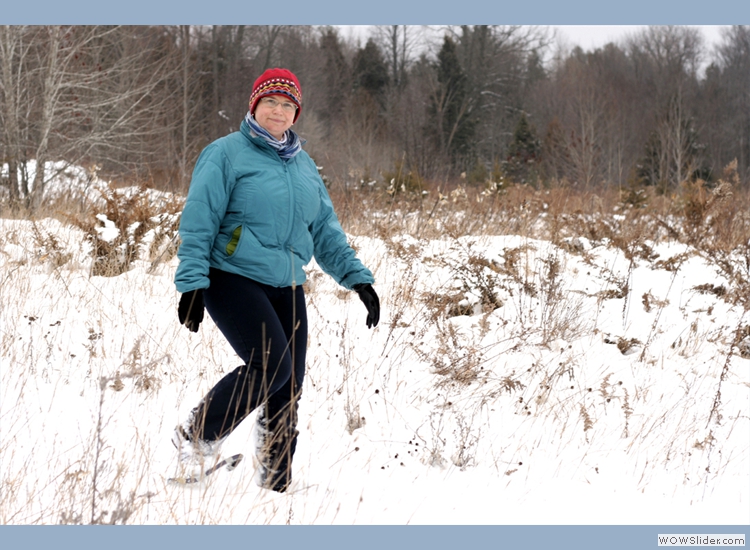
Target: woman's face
(273, 112)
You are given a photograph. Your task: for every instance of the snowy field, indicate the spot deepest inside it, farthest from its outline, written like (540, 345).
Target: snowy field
(510, 381)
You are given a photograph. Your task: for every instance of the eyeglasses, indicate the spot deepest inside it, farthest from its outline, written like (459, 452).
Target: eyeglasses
(272, 103)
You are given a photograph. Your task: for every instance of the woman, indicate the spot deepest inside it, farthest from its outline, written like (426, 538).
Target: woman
(256, 213)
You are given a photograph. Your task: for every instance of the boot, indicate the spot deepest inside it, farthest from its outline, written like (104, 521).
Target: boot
(195, 455)
(273, 454)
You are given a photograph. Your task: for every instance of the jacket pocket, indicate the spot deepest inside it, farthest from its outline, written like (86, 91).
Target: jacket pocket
(232, 244)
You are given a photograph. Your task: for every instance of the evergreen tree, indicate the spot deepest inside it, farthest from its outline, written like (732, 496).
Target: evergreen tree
(534, 71)
(555, 156)
(337, 76)
(451, 105)
(522, 163)
(650, 169)
(371, 71)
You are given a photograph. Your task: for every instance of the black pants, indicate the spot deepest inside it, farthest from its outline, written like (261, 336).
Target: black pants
(267, 327)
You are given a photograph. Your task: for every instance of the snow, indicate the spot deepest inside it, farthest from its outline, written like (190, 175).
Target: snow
(109, 231)
(510, 381)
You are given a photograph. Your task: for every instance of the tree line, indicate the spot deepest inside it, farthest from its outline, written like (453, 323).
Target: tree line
(401, 106)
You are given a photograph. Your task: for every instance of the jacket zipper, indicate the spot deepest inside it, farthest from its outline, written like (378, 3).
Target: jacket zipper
(289, 276)
(290, 227)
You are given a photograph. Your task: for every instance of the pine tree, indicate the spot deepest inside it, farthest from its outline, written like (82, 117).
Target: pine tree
(337, 76)
(451, 105)
(371, 71)
(555, 156)
(522, 163)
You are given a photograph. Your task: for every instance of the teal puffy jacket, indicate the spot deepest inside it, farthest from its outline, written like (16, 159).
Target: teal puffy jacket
(251, 213)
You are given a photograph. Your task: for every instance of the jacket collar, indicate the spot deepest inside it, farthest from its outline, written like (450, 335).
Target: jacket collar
(248, 133)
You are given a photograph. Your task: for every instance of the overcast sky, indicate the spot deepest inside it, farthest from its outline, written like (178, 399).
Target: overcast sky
(593, 36)
(586, 36)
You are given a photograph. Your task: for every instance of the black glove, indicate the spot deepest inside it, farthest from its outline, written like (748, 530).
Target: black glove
(372, 303)
(190, 310)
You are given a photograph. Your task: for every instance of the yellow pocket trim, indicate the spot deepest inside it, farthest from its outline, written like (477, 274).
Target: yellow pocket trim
(232, 244)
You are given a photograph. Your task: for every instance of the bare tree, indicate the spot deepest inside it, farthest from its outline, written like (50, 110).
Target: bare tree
(734, 62)
(666, 61)
(77, 94)
(588, 111)
(14, 50)
(399, 42)
(495, 61)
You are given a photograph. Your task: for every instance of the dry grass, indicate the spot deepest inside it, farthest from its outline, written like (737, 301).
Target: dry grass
(711, 217)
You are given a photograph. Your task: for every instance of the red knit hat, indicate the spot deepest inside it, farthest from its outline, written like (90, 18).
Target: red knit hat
(275, 82)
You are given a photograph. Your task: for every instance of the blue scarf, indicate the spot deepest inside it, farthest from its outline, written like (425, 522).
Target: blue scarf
(291, 145)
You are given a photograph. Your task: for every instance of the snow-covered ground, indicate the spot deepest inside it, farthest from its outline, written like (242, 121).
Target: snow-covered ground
(510, 381)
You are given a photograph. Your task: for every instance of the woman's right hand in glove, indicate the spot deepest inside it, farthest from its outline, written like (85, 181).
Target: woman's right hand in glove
(190, 309)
